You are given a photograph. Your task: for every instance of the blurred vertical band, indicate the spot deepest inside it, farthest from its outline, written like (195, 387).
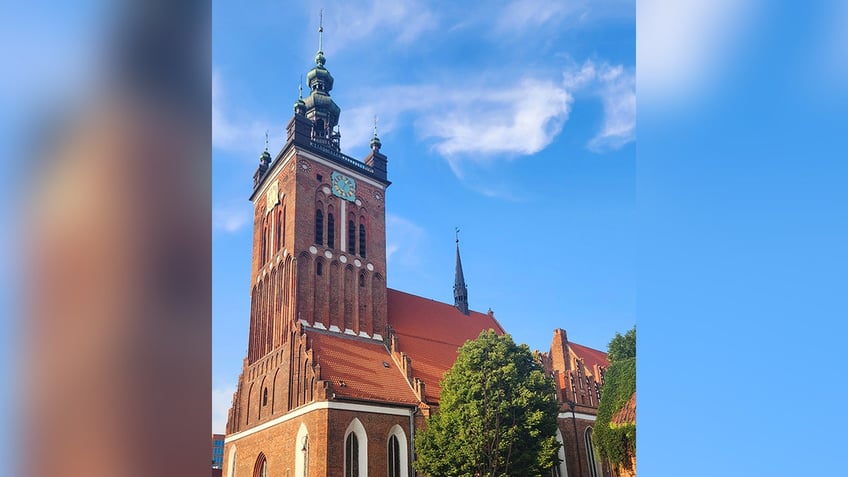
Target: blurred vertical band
(115, 366)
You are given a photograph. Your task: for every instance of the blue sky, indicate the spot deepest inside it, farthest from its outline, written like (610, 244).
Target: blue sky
(514, 122)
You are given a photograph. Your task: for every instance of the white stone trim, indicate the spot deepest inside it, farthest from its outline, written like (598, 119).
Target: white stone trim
(577, 415)
(315, 406)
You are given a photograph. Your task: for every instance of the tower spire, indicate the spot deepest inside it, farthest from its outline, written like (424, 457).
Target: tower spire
(460, 291)
(320, 31)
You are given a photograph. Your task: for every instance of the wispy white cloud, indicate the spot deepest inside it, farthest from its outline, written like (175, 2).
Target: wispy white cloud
(401, 20)
(521, 16)
(477, 124)
(231, 131)
(230, 218)
(403, 238)
(222, 399)
(518, 119)
(616, 86)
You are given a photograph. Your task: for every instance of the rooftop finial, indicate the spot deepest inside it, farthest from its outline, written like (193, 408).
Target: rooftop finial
(375, 125)
(320, 31)
(266, 140)
(300, 88)
(457, 234)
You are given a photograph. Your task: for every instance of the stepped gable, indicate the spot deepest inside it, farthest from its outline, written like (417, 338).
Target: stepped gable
(430, 332)
(355, 368)
(590, 356)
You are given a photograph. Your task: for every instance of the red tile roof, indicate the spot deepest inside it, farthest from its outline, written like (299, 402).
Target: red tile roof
(359, 364)
(430, 332)
(590, 356)
(627, 414)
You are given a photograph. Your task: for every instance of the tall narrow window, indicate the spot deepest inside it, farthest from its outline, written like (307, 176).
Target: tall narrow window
(319, 227)
(362, 240)
(394, 457)
(351, 237)
(305, 450)
(590, 453)
(261, 467)
(351, 465)
(331, 231)
(265, 397)
(283, 228)
(264, 246)
(279, 231)
(319, 268)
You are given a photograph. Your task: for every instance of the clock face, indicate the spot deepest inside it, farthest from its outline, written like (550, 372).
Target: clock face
(343, 187)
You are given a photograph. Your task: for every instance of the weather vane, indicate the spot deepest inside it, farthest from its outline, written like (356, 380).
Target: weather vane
(266, 140)
(457, 234)
(375, 125)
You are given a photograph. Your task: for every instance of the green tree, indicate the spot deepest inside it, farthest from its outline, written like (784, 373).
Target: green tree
(622, 346)
(614, 442)
(497, 415)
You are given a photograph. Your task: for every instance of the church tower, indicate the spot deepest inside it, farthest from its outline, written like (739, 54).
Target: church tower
(319, 247)
(319, 254)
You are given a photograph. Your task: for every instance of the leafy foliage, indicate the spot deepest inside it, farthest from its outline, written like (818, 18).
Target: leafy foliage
(622, 347)
(497, 416)
(616, 442)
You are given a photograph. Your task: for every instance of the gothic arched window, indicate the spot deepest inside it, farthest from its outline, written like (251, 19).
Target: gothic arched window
(319, 268)
(394, 457)
(590, 453)
(351, 237)
(362, 240)
(319, 227)
(331, 231)
(351, 464)
(261, 467)
(265, 397)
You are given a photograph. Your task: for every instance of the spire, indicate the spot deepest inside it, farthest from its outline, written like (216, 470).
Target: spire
(460, 291)
(319, 58)
(375, 141)
(321, 110)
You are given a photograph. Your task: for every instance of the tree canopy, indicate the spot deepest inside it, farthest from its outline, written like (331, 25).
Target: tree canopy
(497, 415)
(617, 442)
(622, 346)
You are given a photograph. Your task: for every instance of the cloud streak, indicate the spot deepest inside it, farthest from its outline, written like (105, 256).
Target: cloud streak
(616, 86)
(232, 133)
(230, 218)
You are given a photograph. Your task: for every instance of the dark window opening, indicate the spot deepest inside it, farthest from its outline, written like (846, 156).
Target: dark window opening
(331, 231)
(394, 457)
(319, 268)
(362, 280)
(265, 397)
(351, 456)
(362, 240)
(351, 237)
(319, 177)
(319, 227)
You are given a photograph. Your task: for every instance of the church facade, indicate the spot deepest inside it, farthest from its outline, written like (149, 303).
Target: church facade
(341, 371)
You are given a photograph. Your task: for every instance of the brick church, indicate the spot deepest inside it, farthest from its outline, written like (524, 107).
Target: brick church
(341, 371)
